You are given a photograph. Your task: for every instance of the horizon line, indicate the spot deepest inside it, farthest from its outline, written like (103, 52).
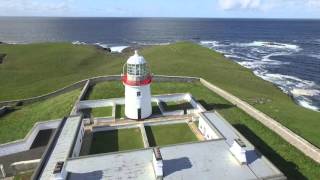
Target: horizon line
(159, 17)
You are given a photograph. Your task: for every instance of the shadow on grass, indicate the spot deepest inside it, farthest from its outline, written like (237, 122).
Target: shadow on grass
(104, 142)
(87, 95)
(155, 109)
(8, 110)
(86, 112)
(213, 106)
(151, 139)
(119, 111)
(288, 168)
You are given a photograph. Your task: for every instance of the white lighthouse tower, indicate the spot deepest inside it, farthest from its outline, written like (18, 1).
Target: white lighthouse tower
(137, 79)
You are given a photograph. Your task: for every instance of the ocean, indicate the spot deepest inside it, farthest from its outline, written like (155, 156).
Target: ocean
(284, 52)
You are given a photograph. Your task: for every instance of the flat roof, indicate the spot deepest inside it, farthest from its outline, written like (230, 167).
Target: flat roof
(205, 160)
(126, 165)
(62, 147)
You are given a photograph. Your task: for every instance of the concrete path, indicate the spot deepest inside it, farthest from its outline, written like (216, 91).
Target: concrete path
(195, 130)
(144, 136)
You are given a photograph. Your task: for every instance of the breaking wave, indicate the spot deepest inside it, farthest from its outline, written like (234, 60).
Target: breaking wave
(266, 60)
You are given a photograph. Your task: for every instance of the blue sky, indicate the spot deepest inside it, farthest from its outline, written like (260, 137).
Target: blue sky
(163, 8)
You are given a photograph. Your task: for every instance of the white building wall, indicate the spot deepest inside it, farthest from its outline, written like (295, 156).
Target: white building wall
(206, 130)
(133, 102)
(77, 147)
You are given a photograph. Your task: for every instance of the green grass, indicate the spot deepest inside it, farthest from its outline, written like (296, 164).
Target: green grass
(116, 140)
(16, 124)
(155, 109)
(169, 134)
(102, 111)
(23, 176)
(287, 158)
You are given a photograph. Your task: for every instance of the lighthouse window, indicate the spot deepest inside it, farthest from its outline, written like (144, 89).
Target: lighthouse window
(138, 93)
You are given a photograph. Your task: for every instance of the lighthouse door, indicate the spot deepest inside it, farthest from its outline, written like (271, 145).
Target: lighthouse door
(139, 113)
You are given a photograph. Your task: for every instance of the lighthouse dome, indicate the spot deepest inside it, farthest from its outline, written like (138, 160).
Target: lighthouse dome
(136, 59)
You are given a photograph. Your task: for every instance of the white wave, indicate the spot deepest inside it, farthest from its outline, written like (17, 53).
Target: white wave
(307, 105)
(151, 44)
(78, 43)
(317, 56)
(118, 49)
(212, 43)
(305, 92)
(268, 44)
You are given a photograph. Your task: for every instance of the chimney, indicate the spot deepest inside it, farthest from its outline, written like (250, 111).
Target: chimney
(238, 149)
(157, 163)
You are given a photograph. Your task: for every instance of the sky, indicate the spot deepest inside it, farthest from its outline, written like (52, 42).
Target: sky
(163, 8)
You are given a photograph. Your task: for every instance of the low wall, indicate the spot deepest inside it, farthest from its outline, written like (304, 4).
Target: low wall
(304, 146)
(46, 96)
(93, 81)
(25, 144)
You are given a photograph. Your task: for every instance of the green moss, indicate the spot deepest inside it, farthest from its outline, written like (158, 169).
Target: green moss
(16, 124)
(116, 140)
(169, 134)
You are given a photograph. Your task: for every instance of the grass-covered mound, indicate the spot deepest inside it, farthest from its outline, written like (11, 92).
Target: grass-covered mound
(116, 140)
(169, 134)
(288, 159)
(16, 124)
(35, 69)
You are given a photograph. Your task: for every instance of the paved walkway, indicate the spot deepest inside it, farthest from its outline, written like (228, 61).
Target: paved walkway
(196, 131)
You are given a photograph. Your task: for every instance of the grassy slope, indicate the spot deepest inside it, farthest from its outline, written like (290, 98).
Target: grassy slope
(15, 125)
(31, 70)
(288, 159)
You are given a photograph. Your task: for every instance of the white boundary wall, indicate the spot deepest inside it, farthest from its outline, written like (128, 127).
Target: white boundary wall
(25, 144)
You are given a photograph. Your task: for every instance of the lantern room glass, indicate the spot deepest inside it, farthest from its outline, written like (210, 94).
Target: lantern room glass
(137, 69)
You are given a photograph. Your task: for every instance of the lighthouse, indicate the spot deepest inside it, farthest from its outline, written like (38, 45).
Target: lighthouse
(137, 78)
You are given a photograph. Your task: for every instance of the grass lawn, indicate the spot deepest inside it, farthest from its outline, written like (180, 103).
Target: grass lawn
(102, 111)
(16, 124)
(24, 176)
(116, 140)
(161, 135)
